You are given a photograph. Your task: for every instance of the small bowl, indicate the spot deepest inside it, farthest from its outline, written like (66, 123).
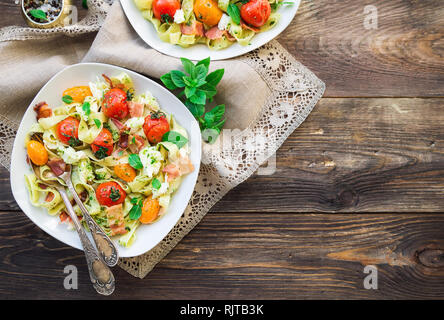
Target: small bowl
(58, 21)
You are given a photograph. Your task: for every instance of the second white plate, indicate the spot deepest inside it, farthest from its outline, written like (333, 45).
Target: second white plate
(146, 31)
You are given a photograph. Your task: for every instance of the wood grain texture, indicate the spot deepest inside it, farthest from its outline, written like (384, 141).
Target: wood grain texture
(257, 256)
(355, 155)
(403, 57)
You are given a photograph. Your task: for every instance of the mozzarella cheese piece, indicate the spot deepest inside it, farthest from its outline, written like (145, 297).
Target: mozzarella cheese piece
(224, 22)
(179, 16)
(151, 161)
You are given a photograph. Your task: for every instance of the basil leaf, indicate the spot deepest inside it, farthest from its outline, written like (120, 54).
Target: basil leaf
(156, 184)
(234, 12)
(134, 161)
(210, 134)
(188, 66)
(189, 91)
(177, 78)
(98, 123)
(209, 90)
(176, 138)
(167, 81)
(134, 200)
(85, 4)
(39, 14)
(67, 99)
(214, 115)
(214, 77)
(199, 97)
(136, 210)
(201, 72)
(205, 62)
(86, 108)
(196, 109)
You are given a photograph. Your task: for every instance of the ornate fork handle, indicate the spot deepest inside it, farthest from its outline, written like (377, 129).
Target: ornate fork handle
(104, 244)
(101, 276)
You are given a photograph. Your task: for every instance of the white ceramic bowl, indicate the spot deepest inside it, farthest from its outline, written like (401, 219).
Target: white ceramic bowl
(147, 236)
(146, 31)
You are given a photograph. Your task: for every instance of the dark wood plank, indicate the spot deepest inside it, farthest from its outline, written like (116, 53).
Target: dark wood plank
(256, 256)
(353, 155)
(404, 57)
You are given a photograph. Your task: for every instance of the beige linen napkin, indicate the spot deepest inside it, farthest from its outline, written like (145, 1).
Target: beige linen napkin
(266, 92)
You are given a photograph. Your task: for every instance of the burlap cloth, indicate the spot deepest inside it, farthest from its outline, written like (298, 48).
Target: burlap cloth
(267, 93)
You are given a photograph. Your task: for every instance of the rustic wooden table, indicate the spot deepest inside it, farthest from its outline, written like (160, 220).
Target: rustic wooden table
(360, 182)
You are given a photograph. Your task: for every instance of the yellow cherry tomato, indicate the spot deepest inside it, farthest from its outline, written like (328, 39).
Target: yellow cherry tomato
(207, 12)
(37, 153)
(78, 94)
(125, 172)
(150, 210)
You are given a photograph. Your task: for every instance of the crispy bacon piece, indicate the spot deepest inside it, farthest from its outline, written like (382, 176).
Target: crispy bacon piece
(196, 28)
(57, 166)
(49, 197)
(110, 83)
(43, 110)
(135, 109)
(83, 196)
(139, 143)
(120, 126)
(246, 26)
(115, 219)
(229, 36)
(214, 33)
(178, 168)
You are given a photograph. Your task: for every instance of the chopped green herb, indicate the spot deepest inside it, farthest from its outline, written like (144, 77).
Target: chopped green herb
(176, 138)
(39, 14)
(156, 184)
(134, 161)
(114, 194)
(67, 99)
(98, 123)
(86, 107)
(101, 153)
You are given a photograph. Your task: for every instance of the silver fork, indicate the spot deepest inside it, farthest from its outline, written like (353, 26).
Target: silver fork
(104, 244)
(100, 274)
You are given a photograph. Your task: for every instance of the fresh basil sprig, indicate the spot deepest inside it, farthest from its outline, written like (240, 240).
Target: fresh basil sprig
(197, 88)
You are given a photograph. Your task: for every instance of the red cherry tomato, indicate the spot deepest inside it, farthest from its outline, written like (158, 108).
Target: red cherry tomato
(102, 145)
(155, 126)
(68, 131)
(256, 12)
(165, 9)
(110, 194)
(115, 104)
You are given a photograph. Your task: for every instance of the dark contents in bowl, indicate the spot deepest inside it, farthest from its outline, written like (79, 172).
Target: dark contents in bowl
(43, 11)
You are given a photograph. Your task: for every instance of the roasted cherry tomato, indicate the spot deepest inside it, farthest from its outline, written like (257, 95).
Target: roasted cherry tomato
(68, 131)
(207, 12)
(115, 104)
(78, 94)
(155, 126)
(102, 145)
(165, 10)
(110, 194)
(125, 172)
(37, 153)
(150, 210)
(256, 12)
